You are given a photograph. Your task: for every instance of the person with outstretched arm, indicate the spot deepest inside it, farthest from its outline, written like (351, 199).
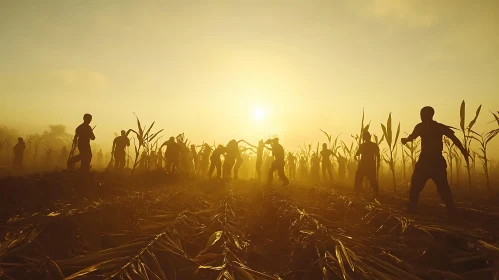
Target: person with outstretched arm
(431, 163)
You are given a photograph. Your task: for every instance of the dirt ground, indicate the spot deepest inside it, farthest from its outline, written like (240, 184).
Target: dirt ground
(73, 226)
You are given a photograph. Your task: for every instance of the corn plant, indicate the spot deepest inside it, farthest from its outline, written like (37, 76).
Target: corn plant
(450, 154)
(144, 138)
(483, 140)
(392, 146)
(467, 131)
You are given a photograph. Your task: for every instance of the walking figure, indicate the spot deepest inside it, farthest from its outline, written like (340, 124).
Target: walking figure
(368, 164)
(303, 168)
(431, 164)
(118, 150)
(278, 163)
(327, 167)
(172, 155)
(292, 166)
(205, 159)
(19, 154)
(216, 162)
(83, 134)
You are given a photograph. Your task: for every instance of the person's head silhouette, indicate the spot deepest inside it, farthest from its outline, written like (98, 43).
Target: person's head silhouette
(123, 133)
(324, 146)
(87, 118)
(427, 114)
(20, 140)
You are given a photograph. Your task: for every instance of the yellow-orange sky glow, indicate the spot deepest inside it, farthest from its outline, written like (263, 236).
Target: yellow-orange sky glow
(219, 70)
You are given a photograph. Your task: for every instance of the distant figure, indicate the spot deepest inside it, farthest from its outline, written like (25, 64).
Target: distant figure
(18, 149)
(144, 160)
(342, 167)
(216, 162)
(118, 150)
(63, 158)
(100, 158)
(205, 160)
(431, 164)
(303, 168)
(278, 163)
(259, 157)
(327, 167)
(233, 159)
(83, 134)
(195, 158)
(368, 164)
(314, 168)
(292, 166)
(172, 155)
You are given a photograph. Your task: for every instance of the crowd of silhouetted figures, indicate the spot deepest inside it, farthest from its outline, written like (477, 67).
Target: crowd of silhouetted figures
(241, 159)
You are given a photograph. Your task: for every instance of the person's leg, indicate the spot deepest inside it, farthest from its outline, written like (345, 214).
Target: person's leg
(359, 177)
(371, 176)
(212, 168)
(330, 171)
(324, 172)
(418, 181)
(271, 173)
(440, 178)
(282, 175)
(218, 165)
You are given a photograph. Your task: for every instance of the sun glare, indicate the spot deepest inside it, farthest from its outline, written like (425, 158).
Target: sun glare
(258, 114)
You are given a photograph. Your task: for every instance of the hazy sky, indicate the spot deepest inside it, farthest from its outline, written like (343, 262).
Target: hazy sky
(204, 67)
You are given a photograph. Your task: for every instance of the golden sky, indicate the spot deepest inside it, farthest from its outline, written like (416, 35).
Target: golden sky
(218, 70)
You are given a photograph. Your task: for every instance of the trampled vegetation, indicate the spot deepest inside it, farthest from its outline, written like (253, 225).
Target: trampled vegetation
(147, 224)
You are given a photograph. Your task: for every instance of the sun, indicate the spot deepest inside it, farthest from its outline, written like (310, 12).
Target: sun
(258, 114)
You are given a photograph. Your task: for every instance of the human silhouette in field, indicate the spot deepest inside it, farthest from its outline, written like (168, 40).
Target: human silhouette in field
(368, 164)
(120, 143)
(232, 160)
(172, 155)
(278, 163)
(216, 162)
(327, 167)
(291, 166)
(431, 163)
(205, 159)
(314, 168)
(195, 158)
(18, 149)
(342, 166)
(83, 134)
(303, 168)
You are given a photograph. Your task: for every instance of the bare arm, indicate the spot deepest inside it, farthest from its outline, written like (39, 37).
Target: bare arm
(414, 135)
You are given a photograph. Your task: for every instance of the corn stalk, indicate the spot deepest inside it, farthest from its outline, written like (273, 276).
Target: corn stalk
(392, 145)
(467, 131)
(144, 138)
(483, 140)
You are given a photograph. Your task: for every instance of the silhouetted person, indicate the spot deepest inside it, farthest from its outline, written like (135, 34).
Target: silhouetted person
(259, 157)
(278, 163)
(18, 149)
(314, 168)
(83, 134)
(144, 160)
(195, 157)
(292, 166)
(327, 167)
(303, 168)
(119, 145)
(368, 164)
(431, 164)
(205, 160)
(172, 155)
(342, 166)
(216, 162)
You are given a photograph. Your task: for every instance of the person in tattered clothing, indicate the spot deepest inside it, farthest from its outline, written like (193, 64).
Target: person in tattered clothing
(368, 164)
(18, 149)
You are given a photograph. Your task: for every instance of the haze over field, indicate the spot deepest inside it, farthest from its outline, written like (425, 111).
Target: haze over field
(218, 70)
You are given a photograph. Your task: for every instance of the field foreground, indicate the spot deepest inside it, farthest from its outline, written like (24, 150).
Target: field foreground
(68, 226)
